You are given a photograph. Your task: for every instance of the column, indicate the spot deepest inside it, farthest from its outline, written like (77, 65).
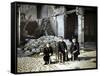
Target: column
(65, 23)
(60, 16)
(60, 22)
(18, 31)
(80, 14)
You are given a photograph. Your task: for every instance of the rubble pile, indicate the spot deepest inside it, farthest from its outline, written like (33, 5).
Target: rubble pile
(37, 45)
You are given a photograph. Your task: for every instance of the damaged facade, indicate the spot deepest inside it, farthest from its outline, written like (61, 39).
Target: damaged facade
(35, 21)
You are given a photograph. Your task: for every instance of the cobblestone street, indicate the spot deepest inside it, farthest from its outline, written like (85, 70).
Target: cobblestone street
(87, 59)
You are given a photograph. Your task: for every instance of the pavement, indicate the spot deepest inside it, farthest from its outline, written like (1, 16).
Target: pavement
(35, 63)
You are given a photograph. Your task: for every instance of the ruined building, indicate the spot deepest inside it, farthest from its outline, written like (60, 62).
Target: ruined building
(68, 21)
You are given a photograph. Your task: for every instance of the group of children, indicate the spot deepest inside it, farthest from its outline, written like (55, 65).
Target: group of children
(62, 51)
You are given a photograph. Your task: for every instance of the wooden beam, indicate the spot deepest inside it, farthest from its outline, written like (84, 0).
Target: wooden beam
(71, 11)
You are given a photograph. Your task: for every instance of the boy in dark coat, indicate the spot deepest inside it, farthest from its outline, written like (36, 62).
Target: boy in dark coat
(74, 49)
(62, 49)
(48, 51)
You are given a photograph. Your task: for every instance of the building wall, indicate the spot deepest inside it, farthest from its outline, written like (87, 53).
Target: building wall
(29, 10)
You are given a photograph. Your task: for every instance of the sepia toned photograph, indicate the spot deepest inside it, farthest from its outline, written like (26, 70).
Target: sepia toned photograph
(54, 37)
